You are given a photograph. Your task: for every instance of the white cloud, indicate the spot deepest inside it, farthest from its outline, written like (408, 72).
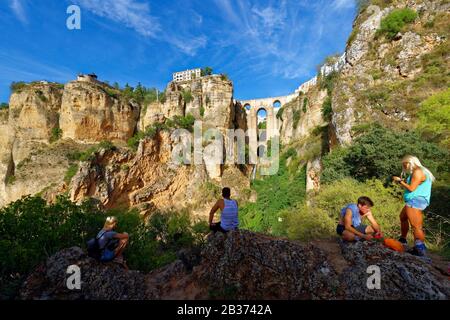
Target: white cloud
(133, 14)
(18, 9)
(137, 15)
(343, 4)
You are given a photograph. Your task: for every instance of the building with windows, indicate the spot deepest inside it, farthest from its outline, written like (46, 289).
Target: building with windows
(187, 75)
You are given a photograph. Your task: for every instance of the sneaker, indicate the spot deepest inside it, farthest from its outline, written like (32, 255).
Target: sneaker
(421, 253)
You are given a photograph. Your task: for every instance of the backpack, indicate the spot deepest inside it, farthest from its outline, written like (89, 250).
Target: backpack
(93, 247)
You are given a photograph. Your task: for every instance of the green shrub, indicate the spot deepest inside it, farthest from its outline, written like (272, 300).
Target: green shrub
(11, 179)
(275, 194)
(377, 154)
(56, 134)
(333, 197)
(17, 87)
(303, 223)
(395, 21)
(206, 71)
(71, 172)
(89, 154)
(296, 118)
(327, 109)
(434, 118)
(4, 105)
(280, 113)
(328, 82)
(202, 111)
(33, 230)
(187, 96)
(305, 104)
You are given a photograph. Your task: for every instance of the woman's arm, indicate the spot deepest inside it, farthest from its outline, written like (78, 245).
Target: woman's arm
(417, 178)
(121, 235)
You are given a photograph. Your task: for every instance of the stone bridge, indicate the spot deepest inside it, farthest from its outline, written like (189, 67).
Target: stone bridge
(271, 106)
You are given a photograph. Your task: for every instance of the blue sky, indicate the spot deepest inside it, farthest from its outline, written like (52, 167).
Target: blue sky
(267, 48)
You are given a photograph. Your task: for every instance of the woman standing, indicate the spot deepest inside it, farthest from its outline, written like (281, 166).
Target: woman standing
(417, 198)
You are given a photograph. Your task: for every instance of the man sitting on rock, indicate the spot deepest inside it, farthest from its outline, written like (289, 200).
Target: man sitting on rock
(229, 217)
(111, 243)
(350, 227)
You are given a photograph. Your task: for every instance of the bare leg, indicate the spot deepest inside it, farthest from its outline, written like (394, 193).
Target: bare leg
(404, 222)
(416, 219)
(121, 247)
(348, 236)
(370, 230)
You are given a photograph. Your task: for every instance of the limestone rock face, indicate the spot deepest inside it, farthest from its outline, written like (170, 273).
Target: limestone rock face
(90, 114)
(380, 82)
(34, 111)
(208, 99)
(292, 130)
(148, 180)
(6, 157)
(313, 170)
(365, 34)
(33, 114)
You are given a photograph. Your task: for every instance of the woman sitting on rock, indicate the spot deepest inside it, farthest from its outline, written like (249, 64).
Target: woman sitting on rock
(111, 243)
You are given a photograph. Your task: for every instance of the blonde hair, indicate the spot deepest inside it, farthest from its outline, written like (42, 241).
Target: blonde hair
(415, 163)
(110, 222)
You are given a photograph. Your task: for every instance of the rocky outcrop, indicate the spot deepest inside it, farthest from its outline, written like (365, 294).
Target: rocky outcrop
(149, 179)
(33, 114)
(209, 99)
(380, 82)
(90, 114)
(98, 281)
(245, 265)
(403, 276)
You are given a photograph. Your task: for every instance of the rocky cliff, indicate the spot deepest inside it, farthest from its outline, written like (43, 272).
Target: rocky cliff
(244, 265)
(51, 145)
(385, 79)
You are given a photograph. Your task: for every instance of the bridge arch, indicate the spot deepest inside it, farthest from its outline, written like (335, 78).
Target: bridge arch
(271, 105)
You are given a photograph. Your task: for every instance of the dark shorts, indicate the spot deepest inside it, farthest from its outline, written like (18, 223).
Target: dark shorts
(217, 227)
(109, 252)
(361, 228)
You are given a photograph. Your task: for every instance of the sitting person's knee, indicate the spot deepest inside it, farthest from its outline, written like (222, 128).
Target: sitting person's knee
(370, 230)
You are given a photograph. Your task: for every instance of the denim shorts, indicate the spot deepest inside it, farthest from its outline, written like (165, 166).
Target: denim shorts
(361, 228)
(419, 203)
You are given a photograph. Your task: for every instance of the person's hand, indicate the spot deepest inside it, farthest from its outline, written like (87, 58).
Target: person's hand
(396, 179)
(368, 237)
(378, 235)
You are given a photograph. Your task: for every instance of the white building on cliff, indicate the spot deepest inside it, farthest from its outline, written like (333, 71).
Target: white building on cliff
(187, 75)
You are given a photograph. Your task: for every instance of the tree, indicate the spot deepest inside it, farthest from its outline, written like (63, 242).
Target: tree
(4, 105)
(206, 71)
